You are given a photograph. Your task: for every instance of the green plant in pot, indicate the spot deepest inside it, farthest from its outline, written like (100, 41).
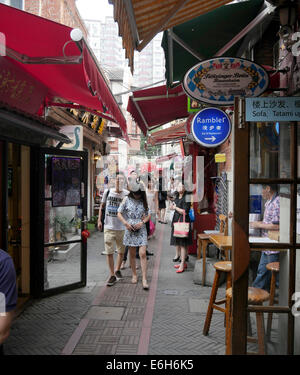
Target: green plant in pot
(62, 226)
(91, 224)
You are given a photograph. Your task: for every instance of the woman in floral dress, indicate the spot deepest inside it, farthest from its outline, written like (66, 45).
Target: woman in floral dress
(134, 213)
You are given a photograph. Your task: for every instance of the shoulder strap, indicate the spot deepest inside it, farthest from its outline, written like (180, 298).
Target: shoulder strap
(106, 196)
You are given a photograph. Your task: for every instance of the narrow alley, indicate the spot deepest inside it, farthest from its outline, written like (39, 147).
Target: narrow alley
(124, 319)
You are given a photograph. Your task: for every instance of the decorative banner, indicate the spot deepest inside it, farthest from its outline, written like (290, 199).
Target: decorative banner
(75, 133)
(211, 127)
(219, 80)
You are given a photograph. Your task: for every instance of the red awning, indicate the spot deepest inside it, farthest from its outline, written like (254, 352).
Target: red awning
(157, 106)
(172, 133)
(68, 70)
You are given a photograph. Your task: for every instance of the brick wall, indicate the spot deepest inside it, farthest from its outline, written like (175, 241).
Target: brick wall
(62, 11)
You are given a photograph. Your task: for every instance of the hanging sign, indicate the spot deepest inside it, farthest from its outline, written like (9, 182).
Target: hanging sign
(273, 109)
(220, 158)
(75, 133)
(211, 127)
(219, 80)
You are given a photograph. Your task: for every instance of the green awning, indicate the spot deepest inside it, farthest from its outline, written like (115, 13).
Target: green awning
(206, 35)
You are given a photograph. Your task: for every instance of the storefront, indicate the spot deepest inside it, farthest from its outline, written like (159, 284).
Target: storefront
(44, 188)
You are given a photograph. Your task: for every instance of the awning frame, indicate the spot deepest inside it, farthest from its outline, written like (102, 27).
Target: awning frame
(267, 11)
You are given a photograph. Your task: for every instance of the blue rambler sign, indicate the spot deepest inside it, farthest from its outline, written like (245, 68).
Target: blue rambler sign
(211, 127)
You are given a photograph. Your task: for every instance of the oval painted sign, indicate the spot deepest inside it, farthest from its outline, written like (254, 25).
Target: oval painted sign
(219, 80)
(211, 127)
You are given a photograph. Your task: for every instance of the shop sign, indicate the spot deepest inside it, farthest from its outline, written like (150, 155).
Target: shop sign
(219, 80)
(19, 89)
(220, 158)
(75, 133)
(211, 127)
(273, 109)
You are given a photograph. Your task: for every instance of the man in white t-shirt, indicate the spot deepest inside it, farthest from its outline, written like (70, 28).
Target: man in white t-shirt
(113, 227)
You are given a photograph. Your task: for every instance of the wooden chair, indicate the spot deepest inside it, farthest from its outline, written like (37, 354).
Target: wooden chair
(213, 304)
(203, 241)
(274, 268)
(256, 296)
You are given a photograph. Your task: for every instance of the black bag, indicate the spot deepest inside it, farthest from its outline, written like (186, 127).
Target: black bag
(103, 212)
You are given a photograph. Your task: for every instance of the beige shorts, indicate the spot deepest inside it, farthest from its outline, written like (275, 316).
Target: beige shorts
(113, 239)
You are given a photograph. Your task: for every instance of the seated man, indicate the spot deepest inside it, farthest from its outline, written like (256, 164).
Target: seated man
(8, 295)
(270, 222)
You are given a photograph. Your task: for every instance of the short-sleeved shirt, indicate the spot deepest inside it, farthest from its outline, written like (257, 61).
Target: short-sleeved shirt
(112, 202)
(8, 285)
(271, 216)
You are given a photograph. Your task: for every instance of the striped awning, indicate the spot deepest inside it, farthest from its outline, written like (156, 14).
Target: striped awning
(173, 133)
(140, 20)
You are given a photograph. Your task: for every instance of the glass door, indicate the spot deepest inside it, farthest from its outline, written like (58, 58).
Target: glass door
(60, 208)
(265, 252)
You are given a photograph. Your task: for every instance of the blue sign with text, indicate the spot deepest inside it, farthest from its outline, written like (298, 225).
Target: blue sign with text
(211, 127)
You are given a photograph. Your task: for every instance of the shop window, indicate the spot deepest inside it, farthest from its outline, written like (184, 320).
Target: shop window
(14, 3)
(270, 150)
(278, 215)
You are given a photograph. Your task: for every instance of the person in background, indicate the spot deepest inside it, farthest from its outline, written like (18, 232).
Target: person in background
(152, 199)
(270, 222)
(134, 213)
(113, 228)
(162, 197)
(8, 296)
(181, 205)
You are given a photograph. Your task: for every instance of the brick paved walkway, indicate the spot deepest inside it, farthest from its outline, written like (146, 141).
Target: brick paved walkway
(123, 319)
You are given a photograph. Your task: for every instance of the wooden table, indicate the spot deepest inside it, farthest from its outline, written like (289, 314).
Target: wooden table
(223, 243)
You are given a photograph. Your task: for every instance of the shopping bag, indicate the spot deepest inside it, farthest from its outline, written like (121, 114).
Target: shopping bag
(192, 215)
(181, 228)
(152, 228)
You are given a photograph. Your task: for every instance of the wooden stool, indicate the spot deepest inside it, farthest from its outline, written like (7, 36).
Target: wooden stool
(203, 241)
(256, 296)
(274, 268)
(213, 304)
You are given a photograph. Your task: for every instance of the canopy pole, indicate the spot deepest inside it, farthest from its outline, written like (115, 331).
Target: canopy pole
(176, 8)
(185, 46)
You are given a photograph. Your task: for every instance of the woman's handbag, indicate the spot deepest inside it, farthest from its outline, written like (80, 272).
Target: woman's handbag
(181, 228)
(192, 212)
(192, 215)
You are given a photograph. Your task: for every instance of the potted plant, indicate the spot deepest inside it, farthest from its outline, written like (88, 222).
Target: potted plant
(62, 226)
(91, 224)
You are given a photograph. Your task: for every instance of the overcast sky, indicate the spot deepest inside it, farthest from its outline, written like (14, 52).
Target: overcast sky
(94, 9)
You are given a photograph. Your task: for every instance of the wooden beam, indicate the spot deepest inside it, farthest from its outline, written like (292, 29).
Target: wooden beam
(240, 244)
(132, 22)
(161, 24)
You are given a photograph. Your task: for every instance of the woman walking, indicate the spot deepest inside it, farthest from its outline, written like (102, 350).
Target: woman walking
(134, 213)
(181, 207)
(152, 199)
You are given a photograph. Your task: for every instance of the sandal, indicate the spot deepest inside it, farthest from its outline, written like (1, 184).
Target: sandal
(145, 285)
(177, 259)
(134, 280)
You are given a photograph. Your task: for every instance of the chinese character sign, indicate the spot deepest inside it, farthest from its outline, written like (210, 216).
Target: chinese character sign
(273, 109)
